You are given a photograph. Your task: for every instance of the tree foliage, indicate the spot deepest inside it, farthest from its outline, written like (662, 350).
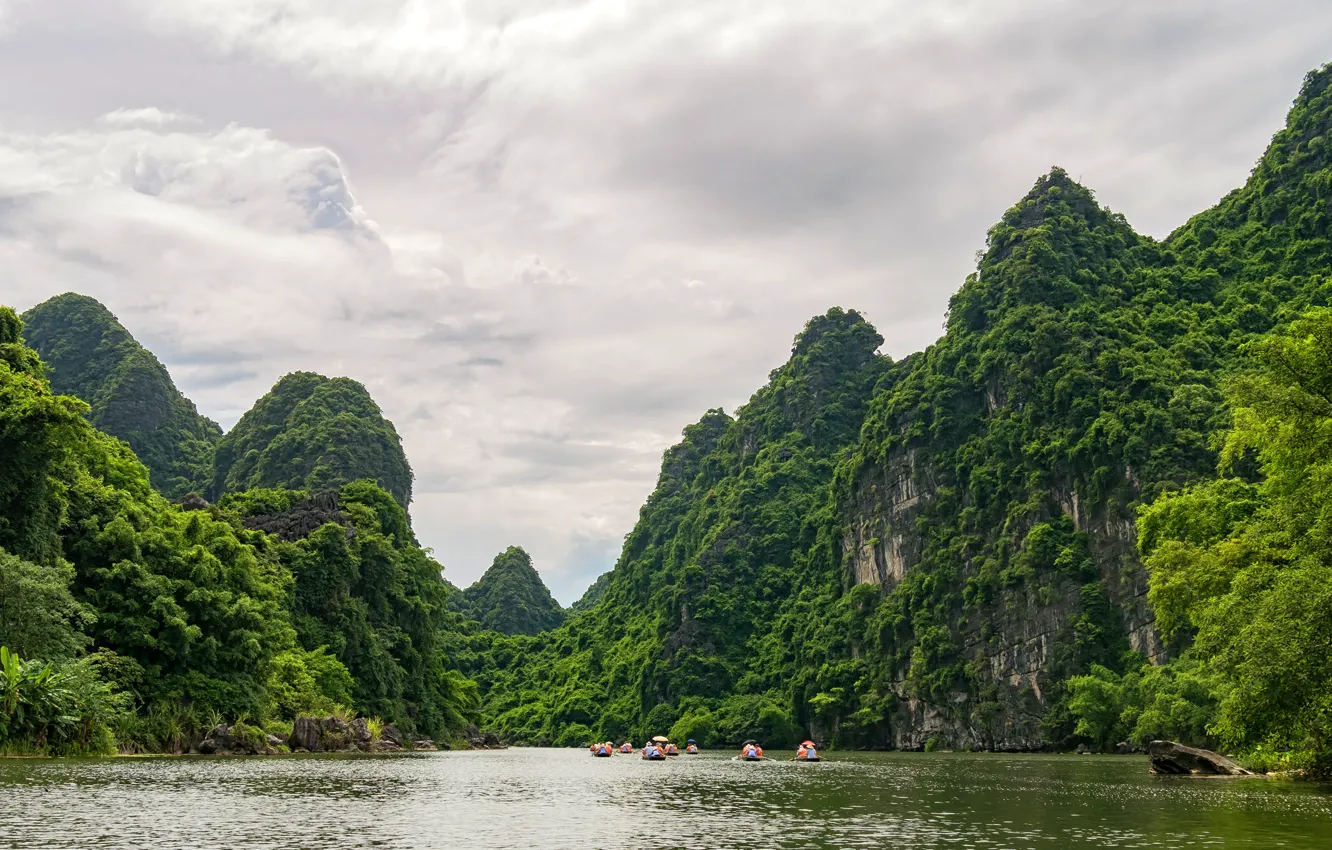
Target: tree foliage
(312, 433)
(511, 598)
(1247, 566)
(91, 356)
(191, 613)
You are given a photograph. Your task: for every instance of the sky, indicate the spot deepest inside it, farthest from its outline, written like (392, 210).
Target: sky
(549, 235)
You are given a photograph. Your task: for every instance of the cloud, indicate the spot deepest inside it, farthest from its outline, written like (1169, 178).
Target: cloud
(547, 234)
(149, 116)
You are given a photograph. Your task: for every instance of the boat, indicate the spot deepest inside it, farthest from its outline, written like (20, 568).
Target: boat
(758, 757)
(602, 754)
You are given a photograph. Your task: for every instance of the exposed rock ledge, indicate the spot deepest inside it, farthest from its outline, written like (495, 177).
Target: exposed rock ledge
(1168, 757)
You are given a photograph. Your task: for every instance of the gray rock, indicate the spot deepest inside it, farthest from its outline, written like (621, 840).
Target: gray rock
(193, 502)
(360, 733)
(274, 741)
(305, 733)
(218, 740)
(483, 740)
(423, 744)
(391, 735)
(1171, 758)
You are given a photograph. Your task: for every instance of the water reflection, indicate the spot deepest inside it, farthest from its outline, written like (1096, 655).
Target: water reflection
(536, 799)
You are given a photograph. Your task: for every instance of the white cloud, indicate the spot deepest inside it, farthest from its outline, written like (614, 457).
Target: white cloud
(149, 116)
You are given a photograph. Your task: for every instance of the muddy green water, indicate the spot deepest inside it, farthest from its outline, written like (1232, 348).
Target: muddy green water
(534, 799)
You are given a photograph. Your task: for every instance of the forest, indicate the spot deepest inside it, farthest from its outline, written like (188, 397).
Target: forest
(1092, 514)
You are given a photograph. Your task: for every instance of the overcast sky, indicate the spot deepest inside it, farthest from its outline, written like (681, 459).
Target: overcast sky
(548, 235)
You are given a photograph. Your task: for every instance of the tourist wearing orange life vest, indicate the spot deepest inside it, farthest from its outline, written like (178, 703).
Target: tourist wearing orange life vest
(751, 750)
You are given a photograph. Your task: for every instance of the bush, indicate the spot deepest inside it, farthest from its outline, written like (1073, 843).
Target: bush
(56, 708)
(698, 724)
(574, 735)
(754, 716)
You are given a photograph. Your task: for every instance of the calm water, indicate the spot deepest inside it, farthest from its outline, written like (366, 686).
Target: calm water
(537, 799)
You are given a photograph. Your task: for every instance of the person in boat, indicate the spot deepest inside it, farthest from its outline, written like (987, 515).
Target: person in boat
(807, 752)
(671, 749)
(691, 748)
(751, 751)
(652, 751)
(626, 747)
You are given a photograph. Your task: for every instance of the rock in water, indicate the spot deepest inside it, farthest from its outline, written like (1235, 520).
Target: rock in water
(1169, 757)
(391, 735)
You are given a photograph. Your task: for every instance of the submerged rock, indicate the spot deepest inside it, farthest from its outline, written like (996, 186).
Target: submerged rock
(1168, 757)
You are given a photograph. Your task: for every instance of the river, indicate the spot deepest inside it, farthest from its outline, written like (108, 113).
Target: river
(535, 799)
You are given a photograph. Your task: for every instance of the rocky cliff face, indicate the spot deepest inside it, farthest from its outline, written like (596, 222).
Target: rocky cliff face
(993, 494)
(1014, 648)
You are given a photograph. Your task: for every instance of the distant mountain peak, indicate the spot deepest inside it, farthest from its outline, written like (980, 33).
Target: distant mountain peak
(312, 432)
(91, 355)
(511, 597)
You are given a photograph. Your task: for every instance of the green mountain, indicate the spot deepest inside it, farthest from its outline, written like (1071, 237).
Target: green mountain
(510, 597)
(945, 550)
(721, 548)
(592, 595)
(312, 433)
(89, 354)
(137, 621)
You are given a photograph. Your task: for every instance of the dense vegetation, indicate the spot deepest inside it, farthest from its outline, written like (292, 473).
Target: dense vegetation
(943, 549)
(316, 433)
(510, 597)
(91, 356)
(718, 551)
(135, 622)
